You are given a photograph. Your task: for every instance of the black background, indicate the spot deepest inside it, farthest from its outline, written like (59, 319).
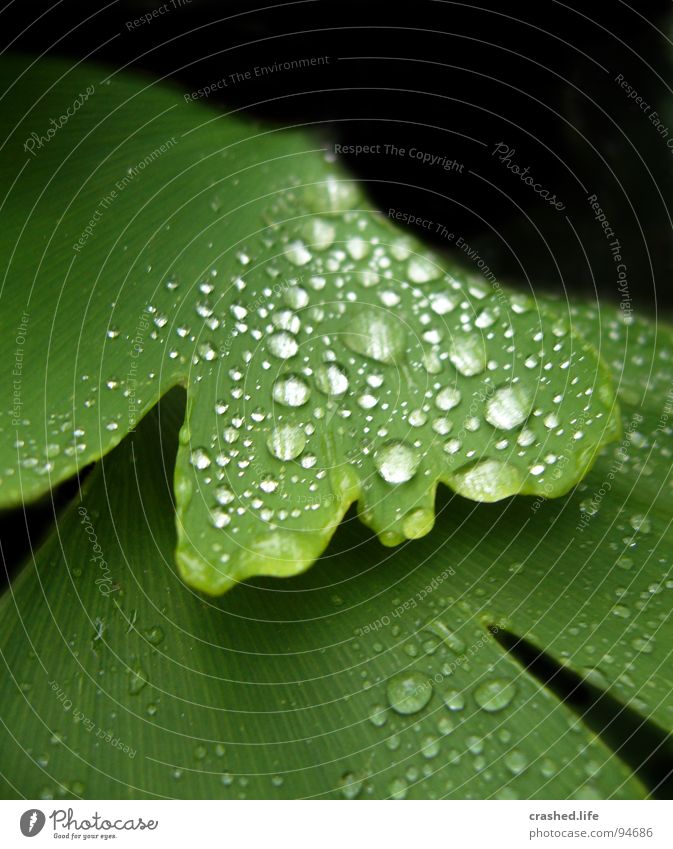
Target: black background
(452, 79)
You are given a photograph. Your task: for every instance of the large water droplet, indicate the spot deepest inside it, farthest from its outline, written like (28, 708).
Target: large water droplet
(283, 345)
(291, 391)
(331, 379)
(448, 398)
(297, 253)
(350, 785)
(495, 694)
(378, 335)
(319, 233)
(396, 461)
(421, 269)
(508, 407)
(487, 480)
(468, 355)
(409, 692)
(454, 700)
(200, 458)
(286, 442)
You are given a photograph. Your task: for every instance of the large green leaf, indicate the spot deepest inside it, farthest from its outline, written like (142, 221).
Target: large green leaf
(327, 358)
(372, 675)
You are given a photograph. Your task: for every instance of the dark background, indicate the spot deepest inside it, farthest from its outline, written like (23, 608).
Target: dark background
(450, 79)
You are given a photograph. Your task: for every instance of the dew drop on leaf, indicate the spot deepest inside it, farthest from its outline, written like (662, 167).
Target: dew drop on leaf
(331, 379)
(409, 692)
(291, 391)
(378, 335)
(508, 407)
(468, 355)
(283, 345)
(397, 462)
(286, 442)
(495, 694)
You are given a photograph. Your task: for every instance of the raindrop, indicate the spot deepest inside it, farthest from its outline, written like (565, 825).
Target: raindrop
(494, 695)
(468, 355)
(421, 269)
(409, 692)
(291, 391)
(331, 379)
(397, 462)
(448, 398)
(283, 345)
(286, 442)
(200, 459)
(377, 335)
(508, 407)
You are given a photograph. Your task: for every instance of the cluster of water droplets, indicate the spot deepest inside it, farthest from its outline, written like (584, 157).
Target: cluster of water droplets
(337, 361)
(456, 719)
(350, 365)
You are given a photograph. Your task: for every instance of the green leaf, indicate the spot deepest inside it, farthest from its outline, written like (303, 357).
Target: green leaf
(327, 357)
(369, 676)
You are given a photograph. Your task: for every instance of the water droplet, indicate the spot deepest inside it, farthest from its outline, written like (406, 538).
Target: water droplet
(137, 680)
(442, 303)
(487, 480)
(398, 788)
(319, 233)
(224, 496)
(297, 253)
(421, 269)
(357, 247)
(448, 398)
(155, 635)
(640, 523)
(268, 484)
(515, 761)
(397, 462)
(200, 458)
(287, 320)
(495, 694)
(430, 747)
(508, 407)
(296, 297)
(350, 786)
(377, 335)
(331, 379)
(219, 518)
(454, 700)
(291, 391)
(286, 442)
(283, 345)
(378, 716)
(468, 355)
(409, 692)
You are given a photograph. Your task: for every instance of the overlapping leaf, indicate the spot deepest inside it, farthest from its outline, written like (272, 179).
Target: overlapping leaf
(371, 676)
(327, 358)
